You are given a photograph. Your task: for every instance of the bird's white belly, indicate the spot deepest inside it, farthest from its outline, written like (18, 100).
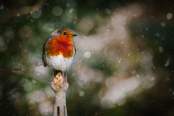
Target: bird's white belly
(59, 62)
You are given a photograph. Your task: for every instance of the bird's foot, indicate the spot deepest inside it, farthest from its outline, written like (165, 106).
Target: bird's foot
(59, 82)
(64, 81)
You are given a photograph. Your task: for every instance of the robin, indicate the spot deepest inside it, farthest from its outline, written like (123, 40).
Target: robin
(59, 50)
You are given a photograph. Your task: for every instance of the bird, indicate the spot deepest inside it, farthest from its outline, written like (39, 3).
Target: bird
(59, 50)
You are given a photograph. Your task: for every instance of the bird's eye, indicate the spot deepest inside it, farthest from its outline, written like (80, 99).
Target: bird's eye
(64, 33)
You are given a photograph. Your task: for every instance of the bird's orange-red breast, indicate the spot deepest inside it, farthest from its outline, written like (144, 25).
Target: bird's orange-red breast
(59, 49)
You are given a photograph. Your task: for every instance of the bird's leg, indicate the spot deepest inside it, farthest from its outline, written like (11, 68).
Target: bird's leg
(65, 78)
(66, 75)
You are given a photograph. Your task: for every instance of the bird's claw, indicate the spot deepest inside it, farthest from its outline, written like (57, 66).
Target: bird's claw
(64, 81)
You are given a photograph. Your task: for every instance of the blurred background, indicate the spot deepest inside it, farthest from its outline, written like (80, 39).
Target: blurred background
(123, 65)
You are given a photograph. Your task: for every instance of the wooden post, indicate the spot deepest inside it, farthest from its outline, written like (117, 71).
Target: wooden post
(59, 85)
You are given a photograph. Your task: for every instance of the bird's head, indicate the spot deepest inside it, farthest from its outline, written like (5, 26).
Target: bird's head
(66, 33)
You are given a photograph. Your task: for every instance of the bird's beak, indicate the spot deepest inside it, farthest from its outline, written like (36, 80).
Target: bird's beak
(74, 35)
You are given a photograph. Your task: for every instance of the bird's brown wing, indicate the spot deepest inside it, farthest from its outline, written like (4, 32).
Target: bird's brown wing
(74, 48)
(43, 53)
(45, 48)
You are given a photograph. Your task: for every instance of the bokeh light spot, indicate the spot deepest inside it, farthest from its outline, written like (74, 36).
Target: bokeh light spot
(169, 16)
(57, 11)
(87, 55)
